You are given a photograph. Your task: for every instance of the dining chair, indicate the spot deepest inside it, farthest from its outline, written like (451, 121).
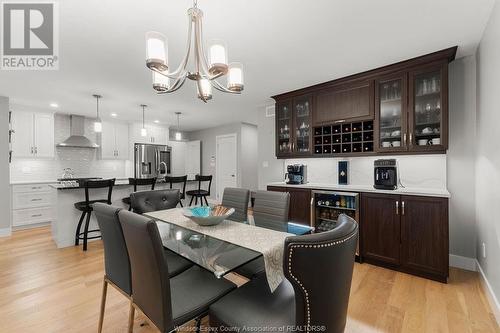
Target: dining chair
(150, 201)
(178, 180)
(116, 259)
(318, 270)
(236, 198)
(200, 193)
(167, 302)
(86, 207)
(270, 211)
(139, 182)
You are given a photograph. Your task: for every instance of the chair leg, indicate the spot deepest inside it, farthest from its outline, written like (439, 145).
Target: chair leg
(103, 304)
(198, 325)
(131, 317)
(77, 234)
(129, 208)
(180, 203)
(191, 202)
(196, 201)
(86, 231)
(206, 201)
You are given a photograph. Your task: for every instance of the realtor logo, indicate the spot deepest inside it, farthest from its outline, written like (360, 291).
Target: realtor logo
(29, 36)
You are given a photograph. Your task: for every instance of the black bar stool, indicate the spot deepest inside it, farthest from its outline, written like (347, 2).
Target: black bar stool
(178, 180)
(199, 193)
(139, 182)
(86, 208)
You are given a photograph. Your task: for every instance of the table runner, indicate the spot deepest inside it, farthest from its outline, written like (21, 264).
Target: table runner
(268, 242)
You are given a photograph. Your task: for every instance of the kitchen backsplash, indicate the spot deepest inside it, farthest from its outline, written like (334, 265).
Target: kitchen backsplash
(84, 162)
(421, 171)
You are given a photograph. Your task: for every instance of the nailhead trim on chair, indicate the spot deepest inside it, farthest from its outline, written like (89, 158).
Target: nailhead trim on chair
(304, 290)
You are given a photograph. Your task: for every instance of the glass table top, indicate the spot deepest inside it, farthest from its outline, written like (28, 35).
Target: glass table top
(215, 255)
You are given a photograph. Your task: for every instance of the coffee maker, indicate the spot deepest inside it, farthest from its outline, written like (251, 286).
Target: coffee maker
(296, 174)
(385, 174)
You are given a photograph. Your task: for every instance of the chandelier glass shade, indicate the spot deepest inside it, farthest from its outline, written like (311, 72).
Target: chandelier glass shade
(208, 67)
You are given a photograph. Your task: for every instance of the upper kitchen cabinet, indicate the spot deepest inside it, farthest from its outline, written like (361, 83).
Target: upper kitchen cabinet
(155, 134)
(399, 108)
(391, 113)
(33, 135)
(344, 102)
(428, 118)
(114, 141)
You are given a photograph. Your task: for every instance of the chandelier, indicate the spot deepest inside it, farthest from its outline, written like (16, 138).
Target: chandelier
(206, 70)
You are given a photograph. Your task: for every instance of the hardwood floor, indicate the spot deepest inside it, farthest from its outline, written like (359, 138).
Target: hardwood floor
(44, 289)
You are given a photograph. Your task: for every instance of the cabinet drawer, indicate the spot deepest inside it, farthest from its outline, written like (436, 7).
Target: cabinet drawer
(31, 216)
(31, 200)
(31, 188)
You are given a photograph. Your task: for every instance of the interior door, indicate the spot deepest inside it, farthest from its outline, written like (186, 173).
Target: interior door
(22, 139)
(226, 165)
(44, 135)
(192, 159)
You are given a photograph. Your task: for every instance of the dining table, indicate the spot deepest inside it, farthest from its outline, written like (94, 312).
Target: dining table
(222, 248)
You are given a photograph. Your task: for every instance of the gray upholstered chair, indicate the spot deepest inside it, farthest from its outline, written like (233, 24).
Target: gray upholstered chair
(150, 201)
(166, 302)
(271, 212)
(116, 260)
(236, 198)
(139, 182)
(318, 270)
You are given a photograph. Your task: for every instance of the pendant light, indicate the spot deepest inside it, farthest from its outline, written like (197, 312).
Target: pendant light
(144, 132)
(178, 134)
(97, 123)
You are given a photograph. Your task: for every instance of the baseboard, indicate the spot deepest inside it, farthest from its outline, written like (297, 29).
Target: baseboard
(466, 263)
(490, 294)
(5, 232)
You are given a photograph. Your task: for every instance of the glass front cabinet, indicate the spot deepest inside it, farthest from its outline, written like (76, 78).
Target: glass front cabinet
(293, 126)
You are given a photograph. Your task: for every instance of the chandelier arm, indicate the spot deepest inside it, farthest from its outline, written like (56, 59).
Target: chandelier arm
(201, 52)
(220, 87)
(176, 86)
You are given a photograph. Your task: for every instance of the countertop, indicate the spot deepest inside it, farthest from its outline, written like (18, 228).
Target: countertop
(118, 182)
(427, 192)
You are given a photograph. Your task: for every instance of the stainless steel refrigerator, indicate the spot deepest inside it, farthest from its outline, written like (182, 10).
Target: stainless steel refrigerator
(152, 160)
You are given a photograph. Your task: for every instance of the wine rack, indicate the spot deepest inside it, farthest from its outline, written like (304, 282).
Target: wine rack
(345, 138)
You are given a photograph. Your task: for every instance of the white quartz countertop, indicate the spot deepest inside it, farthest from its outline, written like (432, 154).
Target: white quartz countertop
(427, 192)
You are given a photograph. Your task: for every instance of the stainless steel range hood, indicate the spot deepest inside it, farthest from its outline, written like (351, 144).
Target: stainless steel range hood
(77, 137)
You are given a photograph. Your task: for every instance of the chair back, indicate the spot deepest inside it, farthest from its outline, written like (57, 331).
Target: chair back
(202, 179)
(319, 266)
(177, 180)
(116, 259)
(271, 210)
(142, 182)
(236, 198)
(150, 201)
(150, 281)
(95, 184)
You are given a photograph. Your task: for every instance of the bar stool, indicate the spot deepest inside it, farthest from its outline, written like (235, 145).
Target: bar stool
(178, 180)
(199, 193)
(139, 182)
(86, 208)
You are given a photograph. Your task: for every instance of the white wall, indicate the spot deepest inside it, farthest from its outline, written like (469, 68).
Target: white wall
(249, 156)
(461, 153)
(488, 150)
(5, 202)
(270, 168)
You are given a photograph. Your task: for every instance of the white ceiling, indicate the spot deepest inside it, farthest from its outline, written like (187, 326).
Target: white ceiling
(283, 44)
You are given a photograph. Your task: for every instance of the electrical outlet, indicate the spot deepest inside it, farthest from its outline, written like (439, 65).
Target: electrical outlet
(484, 250)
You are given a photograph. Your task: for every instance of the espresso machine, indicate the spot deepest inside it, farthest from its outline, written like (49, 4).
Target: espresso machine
(385, 174)
(296, 174)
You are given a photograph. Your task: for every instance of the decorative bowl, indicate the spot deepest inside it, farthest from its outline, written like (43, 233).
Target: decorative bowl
(207, 215)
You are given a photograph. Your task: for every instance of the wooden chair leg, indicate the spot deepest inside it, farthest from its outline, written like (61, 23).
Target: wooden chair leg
(78, 228)
(131, 315)
(86, 232)
(103, 304)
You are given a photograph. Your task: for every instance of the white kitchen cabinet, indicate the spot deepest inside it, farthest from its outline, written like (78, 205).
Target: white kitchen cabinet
(114, 141)
(32, 204)
(33, 135)
(155, 134)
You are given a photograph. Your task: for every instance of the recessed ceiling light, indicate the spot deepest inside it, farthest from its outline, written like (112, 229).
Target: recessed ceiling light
(54, 105)
(114, 115)
(157, 121)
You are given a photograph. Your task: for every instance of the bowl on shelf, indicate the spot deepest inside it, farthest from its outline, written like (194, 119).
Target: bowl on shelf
(208, 215)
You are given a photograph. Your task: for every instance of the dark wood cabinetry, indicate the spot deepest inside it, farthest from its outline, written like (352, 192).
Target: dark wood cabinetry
(407, 101)
(408, 233)
(300, 203)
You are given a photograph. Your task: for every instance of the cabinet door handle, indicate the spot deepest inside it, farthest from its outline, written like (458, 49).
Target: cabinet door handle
(402, 208)
(397, 207)
(32, 150)
(36, 215)
(36, 150)
(404, 139)
(339, 121)
(36, 199)
(411, 138)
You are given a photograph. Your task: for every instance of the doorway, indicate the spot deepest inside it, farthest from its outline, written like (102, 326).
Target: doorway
(226, 163)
